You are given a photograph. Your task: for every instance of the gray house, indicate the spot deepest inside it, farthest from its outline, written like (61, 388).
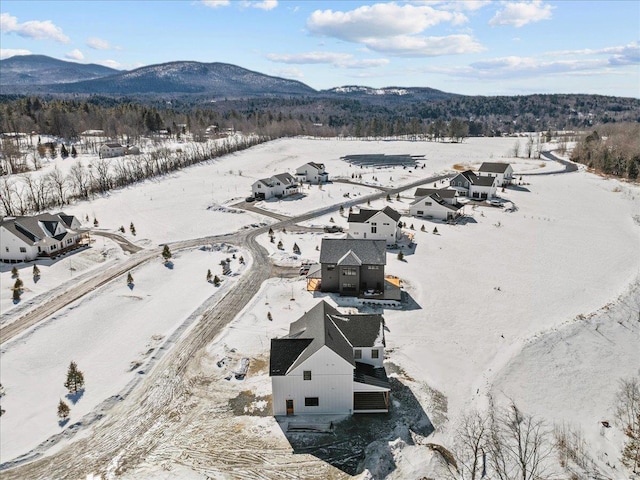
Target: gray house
(351, 267)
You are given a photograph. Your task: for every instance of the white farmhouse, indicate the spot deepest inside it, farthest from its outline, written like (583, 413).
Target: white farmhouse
(330, 363)
(436, 206)
(108, 150)
(503, 172)
(281, 185)
(312, 173)
(469, 184)
(25, 238)
(375, 225)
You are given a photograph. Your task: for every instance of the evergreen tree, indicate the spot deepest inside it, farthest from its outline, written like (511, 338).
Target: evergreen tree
(129, 279)
(95, 222)
(64, 153)
(241, 260)
(18, 285)
(341, 210)
(166, 253)
(74, 153)
(132, 228)
(296, 249)
(269, 317)
(270, 233)
(14, 272)
(75, 379)
(280, 246)
(400, 255)
(209, 276)
(388, 197)
(121, 228)
(63, 410)
(216, 281)
(411, 227)
(435, 230)
(36, 271)
(16, 295)
(398, 196)
(422, 229)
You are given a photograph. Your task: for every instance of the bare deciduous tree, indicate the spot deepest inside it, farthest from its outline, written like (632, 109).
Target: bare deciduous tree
(627, 412)
(58, 184)
(471, 437)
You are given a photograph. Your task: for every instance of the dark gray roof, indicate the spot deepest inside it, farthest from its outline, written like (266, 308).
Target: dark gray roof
(350, 259)
(36, 228)
(494, 167)
(286, 178)
(436, 198)
(113, 145)
(484, 181)
(443, 192)
(365, 214)
(370, 252)
(323, 326)
(318, 166)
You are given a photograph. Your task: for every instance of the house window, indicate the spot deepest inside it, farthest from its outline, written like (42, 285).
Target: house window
(373, 267)
(7, 249)
(385, 224)
(23, 250)
(420, 212)
(427, 204)
(357, 354)
(348, 286)
(53, 247)
(374, 229)
(374, 353)
(349, 272)
(311, 401)
(330, 267)
(306, 375)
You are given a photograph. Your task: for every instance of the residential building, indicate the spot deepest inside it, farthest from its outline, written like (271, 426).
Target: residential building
(281, 185)
(352, 266)
(108, 150)
(503, 172)
(434, 206)
(375, 225)
(330, 363)
(469, 184)
(25, 238)
(312, 173)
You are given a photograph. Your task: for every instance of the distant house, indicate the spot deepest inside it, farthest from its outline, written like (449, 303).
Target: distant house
(25, 238)
(108, 150)
(352, 266)
(503, 172)
(469, 184)
(436, 206)
(449, 195)
(375, 225)
(132, 150)
(312, 173)
(330, 363)
(281, 185)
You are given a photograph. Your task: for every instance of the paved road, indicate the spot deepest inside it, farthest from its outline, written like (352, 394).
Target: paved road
(133, 426)
(568, 166)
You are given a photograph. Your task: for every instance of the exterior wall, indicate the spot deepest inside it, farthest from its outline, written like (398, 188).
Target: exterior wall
(435, 210)
(502, 178)
(372, 277)
(460, 183)
(386, 229)
(13, 244)
(259, 187)
(476, 191)
(108, 152)
(278, 189)
(349, 284)
(309, 174)
(366, 356)
(331, 382)
(330, 278)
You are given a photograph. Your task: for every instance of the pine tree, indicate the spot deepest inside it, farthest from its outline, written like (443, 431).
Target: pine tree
(422, 228)
(16, 295)
(166, 253)
(241, 260)
(280, 246)
(209, 276)
(411, 227)
(435, 230)
(331, 220)
(216, 281)
(132, 228)
(64, 153)
(129, 279)
(400, 255)
(269, 317)
(14, 272)
(270, 233)
(95, 222)
(388, 197)
(18, 285)
(296, 249)
(75, 379)
(74, 153)
(341, 210)
(398, 196)
(121, 228)
(63, 410)
(36, 271)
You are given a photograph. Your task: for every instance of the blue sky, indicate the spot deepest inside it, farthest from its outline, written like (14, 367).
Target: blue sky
(473, 47)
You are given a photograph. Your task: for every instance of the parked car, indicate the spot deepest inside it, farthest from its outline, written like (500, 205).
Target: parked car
(249, 199)
(494, 202)
(332, 229)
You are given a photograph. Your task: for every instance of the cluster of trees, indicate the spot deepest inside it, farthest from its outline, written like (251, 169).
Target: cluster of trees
(74, 384)
(613, 149)
(27, 193)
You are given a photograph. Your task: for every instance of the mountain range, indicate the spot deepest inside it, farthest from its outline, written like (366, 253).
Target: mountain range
(39, 74)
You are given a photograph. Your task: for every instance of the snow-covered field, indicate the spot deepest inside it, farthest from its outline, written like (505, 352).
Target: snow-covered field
(504, 301)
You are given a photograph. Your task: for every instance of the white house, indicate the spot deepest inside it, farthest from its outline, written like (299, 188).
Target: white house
(469, 184)
(312, 173)
(108, 150)
(449, 195)
(281, 185)
(502, 171)
(23, 239)
(375, 225)
(436, 207)
(330, 363)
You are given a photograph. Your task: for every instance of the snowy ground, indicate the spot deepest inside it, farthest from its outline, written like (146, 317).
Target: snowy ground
(498, 306)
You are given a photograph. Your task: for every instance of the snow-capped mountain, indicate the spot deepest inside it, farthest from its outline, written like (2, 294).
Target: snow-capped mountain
(24, 70)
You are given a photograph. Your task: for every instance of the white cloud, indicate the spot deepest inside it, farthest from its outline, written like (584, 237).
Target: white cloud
(74, 55)
(98, 43)
(469, 5)
(110, 64)
(381, 20)
(262, 5)
(289, 72)
(36, 29)
(344, 60)
(415, 46)
(618, 56)
(519, 14)
(216, 3)
(11, 52)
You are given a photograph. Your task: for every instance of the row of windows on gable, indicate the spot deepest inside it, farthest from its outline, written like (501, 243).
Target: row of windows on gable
(22, 249)
(357, 353)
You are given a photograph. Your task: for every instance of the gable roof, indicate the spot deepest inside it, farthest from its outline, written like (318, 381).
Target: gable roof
(350, 259)
(113, 145)
(317, 166)
(494, 167)
(365, 214)
(484, 181)
(324, 326)
(369, 252)
(442, 192)
(436, 198)
(285, 178)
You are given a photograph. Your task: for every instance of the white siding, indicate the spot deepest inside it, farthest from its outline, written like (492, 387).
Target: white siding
(367, 356)
(331, 381)
(435, 210)
(386, 229)
(8, 241)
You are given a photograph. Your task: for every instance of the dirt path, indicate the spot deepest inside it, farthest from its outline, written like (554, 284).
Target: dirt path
(169, 408)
